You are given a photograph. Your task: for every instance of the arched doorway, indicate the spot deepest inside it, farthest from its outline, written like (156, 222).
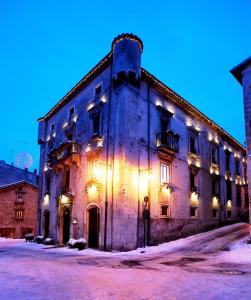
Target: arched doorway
(46, 223)
(93, 226)
(66, 225)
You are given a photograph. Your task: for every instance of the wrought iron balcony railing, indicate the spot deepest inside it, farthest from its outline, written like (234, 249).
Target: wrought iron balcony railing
(169, 140)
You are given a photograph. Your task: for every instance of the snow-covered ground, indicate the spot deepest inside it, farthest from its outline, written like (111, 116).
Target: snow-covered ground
(211, 265)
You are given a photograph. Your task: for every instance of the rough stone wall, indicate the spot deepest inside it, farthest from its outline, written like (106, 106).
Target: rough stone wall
(8, 199)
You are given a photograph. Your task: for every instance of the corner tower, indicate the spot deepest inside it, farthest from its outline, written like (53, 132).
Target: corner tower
(127, 49)
(242, 73)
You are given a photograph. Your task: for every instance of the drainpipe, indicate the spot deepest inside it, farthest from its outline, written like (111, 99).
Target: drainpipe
(148, 159)
(107, 160)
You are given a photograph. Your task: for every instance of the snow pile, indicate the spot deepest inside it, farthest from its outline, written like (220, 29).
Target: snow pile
(240, 252)
(80, 243)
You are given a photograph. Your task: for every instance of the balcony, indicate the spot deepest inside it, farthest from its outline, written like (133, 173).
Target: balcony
(65, 155)
(168, 143)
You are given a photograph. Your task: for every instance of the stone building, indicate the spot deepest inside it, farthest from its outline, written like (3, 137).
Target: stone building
(19, 201)
(242, 73)
(126, 161)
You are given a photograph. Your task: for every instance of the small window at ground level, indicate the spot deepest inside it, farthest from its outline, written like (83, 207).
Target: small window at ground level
(164, 173)
(229, 214)
(193, 212)
(165, 211)
(215, 213)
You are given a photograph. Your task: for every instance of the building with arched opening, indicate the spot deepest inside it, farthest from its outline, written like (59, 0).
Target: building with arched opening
(125, 161)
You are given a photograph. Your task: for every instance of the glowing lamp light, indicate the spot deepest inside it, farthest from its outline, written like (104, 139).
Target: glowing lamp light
(197, 128)
(210, 137)
(90, 106)
(188, 123)
(217, 172)
(88, 148)
(46, 199)
(189, 162)
(171, 109)
(197, 164)
(75, 119)
(48, 138)
(158, 103)
(229, 203)
(92, 189)
(100, 143)
(215, 202)
(224, 147)
(64, 199)
(216, 139)
(211, 170)
(54, 134)
(194, 196)
(103, 99)
(65, 124)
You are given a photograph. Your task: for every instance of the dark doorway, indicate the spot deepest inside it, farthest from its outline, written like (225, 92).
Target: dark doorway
(93, 237)
(46, 224)
(66, 225)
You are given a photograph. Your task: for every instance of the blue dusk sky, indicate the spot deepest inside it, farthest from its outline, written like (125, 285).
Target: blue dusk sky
(48, 46)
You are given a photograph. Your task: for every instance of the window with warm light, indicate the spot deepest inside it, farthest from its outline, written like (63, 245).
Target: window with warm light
(164, 173)
(19, 214)
(95, 170)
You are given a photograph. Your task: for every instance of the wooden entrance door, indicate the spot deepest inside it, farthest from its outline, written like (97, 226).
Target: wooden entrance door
(46, 224)
(66, 225)
(93, 237)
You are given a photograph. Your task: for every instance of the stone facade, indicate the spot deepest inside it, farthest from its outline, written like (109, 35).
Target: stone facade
(18, 214)
(125, 161)
(242, 73)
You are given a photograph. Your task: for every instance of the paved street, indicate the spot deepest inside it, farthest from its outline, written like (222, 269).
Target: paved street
(193, 268)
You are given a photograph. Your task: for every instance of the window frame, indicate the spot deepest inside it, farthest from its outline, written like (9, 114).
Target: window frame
(168, 214)
(167, 175)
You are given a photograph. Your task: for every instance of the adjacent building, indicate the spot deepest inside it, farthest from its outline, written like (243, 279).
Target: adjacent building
(125, 161)
(19, 201)
(242, 73)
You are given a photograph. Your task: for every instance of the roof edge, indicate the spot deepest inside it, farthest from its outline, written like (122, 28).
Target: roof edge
(237, 70)
(190, 109)
(5, 186)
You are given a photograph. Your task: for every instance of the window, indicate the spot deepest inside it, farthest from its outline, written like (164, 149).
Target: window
(98, 90)
(193, 212)
(215, 186)
(229, 214)
(215, 213)
(214, 154)
(52, 127)
(165, 211)
(246, 200)
(20, 198)
(47, 182)
(71, 112)
(164, 173)
(67, 180)
(238, 196)
(193, 142)
(227, 160)
(164, 125)
(95, 170)
(96, 124)
(237, 166)
(19, 214)
(229, 189)
(192, 181)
